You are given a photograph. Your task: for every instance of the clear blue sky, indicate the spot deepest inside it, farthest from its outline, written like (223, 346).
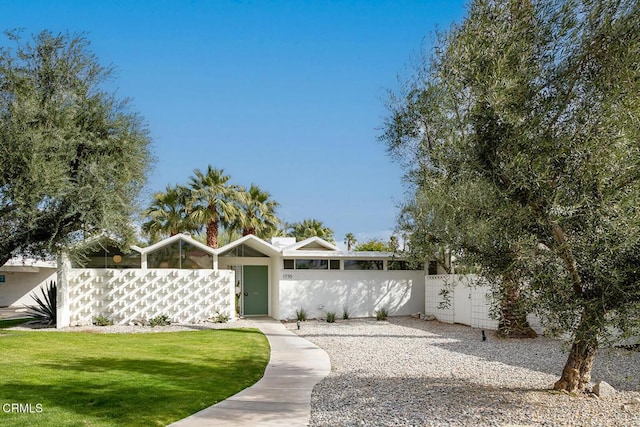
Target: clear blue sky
(289, 95)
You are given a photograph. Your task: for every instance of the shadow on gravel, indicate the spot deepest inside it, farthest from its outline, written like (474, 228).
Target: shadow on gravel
(349, 399)
(618, 367)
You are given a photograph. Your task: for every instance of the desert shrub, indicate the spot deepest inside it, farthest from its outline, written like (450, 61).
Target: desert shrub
(345, 313)
(219, 317)
(382, 314)
(46, 308)
(102, 321)
(301, 314)
(331, 317)
(161, 320)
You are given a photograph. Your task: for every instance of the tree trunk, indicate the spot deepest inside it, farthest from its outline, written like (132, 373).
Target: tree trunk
(212, 228)
(513, 317)
(247, 231)
(576, 374)
(212, 234)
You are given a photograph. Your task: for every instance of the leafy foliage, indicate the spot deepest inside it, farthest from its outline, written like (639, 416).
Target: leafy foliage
(376, 245)
(310, 228)
(301, 314)
(212, 204)
(520, 138)
(73, 157)
(102, 321)
(331, 317)
(381, 314)
(161, 320)
(46, 308)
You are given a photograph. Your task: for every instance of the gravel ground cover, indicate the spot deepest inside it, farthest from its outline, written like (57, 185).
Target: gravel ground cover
(127, 329)
(409, 372)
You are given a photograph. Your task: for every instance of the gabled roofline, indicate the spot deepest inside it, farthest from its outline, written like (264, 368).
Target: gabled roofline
(261, 245)
(305, 242)
(186, 237)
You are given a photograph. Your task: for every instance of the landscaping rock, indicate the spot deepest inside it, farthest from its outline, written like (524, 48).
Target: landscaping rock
(603, 389)
(408, 372)
(429, 317)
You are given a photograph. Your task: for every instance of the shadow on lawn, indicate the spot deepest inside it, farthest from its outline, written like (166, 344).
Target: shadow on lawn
(138, 391)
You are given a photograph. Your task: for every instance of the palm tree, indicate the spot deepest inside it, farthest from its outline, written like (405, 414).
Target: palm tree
(350, 241)
(257, 213)
(214, 201)
(168, 214)
(309, 228)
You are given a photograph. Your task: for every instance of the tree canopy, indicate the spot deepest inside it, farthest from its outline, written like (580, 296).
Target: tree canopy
(521, 139)
(74, 158)
(211, 203)
(310, 228)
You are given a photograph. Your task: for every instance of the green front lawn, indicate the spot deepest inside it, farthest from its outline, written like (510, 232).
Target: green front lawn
(89, 379)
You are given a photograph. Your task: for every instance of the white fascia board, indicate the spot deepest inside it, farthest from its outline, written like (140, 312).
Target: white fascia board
(26, 264)
(310, 240)
(341, 255)
(252, 241)
(185, 237)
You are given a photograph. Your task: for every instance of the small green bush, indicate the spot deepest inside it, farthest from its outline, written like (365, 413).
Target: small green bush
(382, 314)
(219, 317)
(345, 313)
(161, 320)
(301, 314)
(102, 321)
(331, 317)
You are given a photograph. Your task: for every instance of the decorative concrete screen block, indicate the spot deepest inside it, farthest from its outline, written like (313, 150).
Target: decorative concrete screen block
(124, 296)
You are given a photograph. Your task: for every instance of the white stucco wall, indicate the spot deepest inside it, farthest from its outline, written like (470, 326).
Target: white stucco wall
(361, 292)
(18, 286)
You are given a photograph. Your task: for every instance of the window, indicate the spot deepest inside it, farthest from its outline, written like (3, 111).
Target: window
(243, 251)
(404, 265)
(354, 264)
(109, 257)
(289, 264)
(181, 255)
(334, 264)
(312, 264)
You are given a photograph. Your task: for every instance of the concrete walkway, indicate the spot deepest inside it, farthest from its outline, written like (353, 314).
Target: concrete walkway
(283, 396)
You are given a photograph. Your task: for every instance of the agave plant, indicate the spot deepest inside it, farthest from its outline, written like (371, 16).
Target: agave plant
(45, 309)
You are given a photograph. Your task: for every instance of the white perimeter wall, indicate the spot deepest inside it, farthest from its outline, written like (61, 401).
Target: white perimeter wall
(470, 301)
(16, 290)
(128, 295)
(361, 292)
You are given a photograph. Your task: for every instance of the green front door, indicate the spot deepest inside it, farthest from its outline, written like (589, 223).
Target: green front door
(256, 288)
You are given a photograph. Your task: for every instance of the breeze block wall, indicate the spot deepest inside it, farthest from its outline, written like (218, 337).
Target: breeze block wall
(126, 296)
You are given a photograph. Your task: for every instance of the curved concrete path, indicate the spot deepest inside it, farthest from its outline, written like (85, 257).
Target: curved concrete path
(283, 396)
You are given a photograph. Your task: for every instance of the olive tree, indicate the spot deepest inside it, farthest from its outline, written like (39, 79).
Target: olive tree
(521, 135)
(73, 157)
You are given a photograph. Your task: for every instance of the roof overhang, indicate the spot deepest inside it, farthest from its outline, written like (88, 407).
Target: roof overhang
(253, 242)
